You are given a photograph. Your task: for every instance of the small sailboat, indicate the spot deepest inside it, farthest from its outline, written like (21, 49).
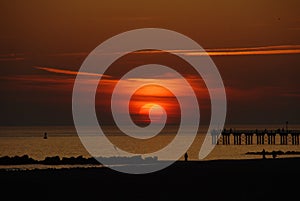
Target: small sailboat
(45, 135)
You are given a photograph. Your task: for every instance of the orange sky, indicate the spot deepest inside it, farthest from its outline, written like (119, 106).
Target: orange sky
(254, 44)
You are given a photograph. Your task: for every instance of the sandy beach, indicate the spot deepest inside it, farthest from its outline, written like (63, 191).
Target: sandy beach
(257, 179)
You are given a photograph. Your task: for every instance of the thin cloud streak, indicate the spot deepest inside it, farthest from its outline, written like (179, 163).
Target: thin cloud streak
(235, 51)
(12, 57)
(240, 53)
(271, 47)
(263, 50)
(69, 54)
(69, 72)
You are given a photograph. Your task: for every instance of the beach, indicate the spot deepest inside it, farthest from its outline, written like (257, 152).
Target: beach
(253, 179)
(59, 168)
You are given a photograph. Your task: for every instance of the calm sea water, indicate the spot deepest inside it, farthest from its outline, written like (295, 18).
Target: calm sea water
(63, 141)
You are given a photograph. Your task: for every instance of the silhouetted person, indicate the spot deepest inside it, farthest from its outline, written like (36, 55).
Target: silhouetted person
(274, 154)
(45, 135)
(186, 156)
(263, 154)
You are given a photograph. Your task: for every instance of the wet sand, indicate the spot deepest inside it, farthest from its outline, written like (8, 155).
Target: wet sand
(255, 179)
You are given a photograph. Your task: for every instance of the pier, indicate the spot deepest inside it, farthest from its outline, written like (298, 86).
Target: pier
(258, 137)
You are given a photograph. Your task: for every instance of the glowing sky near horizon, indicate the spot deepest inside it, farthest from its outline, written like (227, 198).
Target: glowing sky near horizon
(255, 45)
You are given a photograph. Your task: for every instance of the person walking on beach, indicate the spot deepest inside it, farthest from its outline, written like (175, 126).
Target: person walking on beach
(45, 135)
(186, 156)
(263, 154)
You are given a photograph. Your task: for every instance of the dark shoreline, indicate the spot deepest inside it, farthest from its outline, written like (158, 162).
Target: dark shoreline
(253, 179)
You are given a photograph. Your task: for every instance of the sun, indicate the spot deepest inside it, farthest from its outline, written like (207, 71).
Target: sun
(154, 104)
(154, 111)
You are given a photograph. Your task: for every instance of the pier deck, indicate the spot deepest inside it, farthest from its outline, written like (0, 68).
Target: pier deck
(249, 137)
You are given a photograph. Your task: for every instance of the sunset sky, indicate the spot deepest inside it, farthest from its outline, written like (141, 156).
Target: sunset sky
(254, 44)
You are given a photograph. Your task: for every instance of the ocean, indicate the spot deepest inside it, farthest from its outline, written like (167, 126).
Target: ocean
(63, 141)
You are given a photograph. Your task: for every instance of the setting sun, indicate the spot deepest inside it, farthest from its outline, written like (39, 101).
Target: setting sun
(151, 102)
(154, 111)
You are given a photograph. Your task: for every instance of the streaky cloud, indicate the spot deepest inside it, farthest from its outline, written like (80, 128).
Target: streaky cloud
(232, 51)
(69, 72)
(12, 57)
(235, 51)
